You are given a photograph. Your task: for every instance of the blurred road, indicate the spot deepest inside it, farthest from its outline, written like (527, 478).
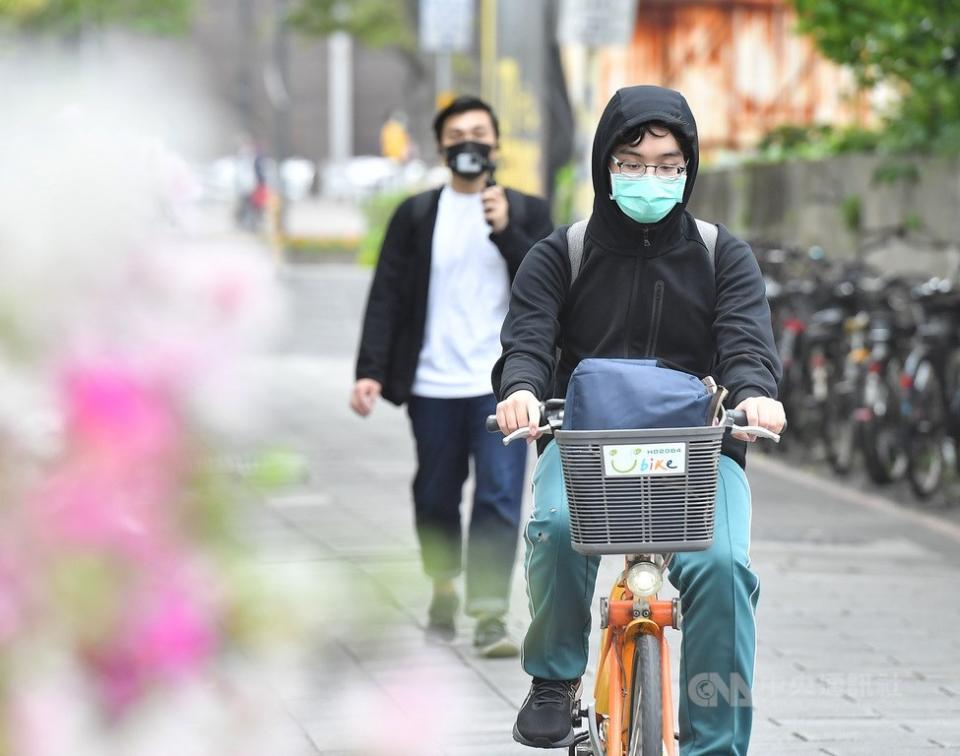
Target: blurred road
(859, 652)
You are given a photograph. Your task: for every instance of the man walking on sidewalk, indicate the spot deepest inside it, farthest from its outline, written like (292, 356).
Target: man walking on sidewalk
(430, 338)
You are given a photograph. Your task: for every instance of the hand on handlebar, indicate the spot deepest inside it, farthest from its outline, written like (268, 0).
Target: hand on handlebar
(764, 412)
(520, 410)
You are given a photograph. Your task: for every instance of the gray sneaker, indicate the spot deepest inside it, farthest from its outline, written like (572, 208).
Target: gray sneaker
(441, 624)
(492, 640)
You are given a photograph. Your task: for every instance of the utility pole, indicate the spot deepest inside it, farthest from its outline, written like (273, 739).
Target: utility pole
(447, 27)
(245, 30)
(276, 78)
(340, 96)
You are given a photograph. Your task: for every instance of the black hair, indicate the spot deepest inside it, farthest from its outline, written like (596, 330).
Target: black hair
(460, 105)
(657, 128)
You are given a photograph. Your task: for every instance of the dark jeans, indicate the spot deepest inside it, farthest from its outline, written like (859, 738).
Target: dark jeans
(448, 433)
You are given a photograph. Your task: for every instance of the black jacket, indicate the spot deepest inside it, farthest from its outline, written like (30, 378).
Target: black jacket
(643, 290)
(396, 314)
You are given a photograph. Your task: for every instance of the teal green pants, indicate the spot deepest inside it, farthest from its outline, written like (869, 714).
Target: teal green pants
(718, 594)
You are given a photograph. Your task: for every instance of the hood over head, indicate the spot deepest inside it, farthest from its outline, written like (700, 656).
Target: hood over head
(628, 108)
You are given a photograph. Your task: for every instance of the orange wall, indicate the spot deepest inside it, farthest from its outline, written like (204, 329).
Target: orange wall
(741, 65)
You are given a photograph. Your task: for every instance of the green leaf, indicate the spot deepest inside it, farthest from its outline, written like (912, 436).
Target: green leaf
(73, 16)
(374, 23)
(852, 211)
(277, 469)
(908, 44)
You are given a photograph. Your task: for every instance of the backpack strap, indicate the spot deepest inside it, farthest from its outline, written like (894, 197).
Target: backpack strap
(709, 232)
(577, 231)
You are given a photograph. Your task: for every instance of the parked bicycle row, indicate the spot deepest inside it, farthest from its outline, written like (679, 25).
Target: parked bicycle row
(871, 365)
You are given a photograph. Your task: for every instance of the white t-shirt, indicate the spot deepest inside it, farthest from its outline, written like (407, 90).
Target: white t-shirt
(466, 303)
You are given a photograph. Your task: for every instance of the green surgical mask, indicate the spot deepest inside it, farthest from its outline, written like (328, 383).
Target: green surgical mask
(646, 199)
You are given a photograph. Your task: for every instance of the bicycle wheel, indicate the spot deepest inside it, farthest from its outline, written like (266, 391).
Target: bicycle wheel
(646, 701)
(840, 429)
(952, 387)
(926, 432)
(883, 448)
(795, 403)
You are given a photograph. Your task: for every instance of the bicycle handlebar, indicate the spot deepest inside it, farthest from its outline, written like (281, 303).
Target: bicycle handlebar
(551, 405)
(730, 418)
(737, 417)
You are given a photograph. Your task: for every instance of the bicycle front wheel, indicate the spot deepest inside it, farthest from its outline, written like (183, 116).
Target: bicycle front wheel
(646, 700)
(926, 432)
(883, 449)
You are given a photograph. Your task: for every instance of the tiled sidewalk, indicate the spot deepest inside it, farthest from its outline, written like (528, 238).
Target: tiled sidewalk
(859, 651)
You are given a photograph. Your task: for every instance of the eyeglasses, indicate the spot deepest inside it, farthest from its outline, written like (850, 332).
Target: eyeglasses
(636, 170)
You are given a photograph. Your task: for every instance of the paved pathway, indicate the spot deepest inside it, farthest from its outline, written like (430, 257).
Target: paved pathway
(859, 650)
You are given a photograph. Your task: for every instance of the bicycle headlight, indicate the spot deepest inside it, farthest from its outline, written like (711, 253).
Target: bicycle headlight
(644, 579)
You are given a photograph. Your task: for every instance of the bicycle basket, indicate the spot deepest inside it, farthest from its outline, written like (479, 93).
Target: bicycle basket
(641, 491)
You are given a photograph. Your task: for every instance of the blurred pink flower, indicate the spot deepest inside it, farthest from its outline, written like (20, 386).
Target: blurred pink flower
(175, 635)
(110, 406)
(126, 510)
(119, 681)
(12, 576)
(119, 481)
(166, 639)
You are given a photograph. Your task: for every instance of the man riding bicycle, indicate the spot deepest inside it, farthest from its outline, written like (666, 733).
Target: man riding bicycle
(648, 286)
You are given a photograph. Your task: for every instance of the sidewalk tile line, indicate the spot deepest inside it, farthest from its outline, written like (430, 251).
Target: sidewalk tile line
(408, 612)
(861, 499)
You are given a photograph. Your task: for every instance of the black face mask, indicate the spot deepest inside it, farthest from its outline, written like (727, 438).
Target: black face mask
(469, 159)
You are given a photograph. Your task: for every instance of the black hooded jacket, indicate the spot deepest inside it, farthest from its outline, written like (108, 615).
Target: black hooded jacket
(396, 313)
(644, 290)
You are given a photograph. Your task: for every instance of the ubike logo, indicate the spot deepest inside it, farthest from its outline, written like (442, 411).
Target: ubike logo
(637, 460)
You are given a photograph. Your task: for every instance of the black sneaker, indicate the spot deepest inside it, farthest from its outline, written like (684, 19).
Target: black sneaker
(492, 641)
(546, 718)
(441, 627)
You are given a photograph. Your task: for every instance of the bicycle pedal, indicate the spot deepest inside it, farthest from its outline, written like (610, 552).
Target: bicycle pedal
(581, 746)
(578, 714)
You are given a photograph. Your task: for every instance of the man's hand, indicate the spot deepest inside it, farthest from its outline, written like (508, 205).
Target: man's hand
(366, 391)
(763, 411)
(519, 409)
(496, 209)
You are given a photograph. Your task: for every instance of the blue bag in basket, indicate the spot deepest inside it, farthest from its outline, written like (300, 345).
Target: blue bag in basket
(617, 394)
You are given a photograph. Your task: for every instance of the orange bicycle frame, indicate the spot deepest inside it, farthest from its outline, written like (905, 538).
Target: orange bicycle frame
(613, 689)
